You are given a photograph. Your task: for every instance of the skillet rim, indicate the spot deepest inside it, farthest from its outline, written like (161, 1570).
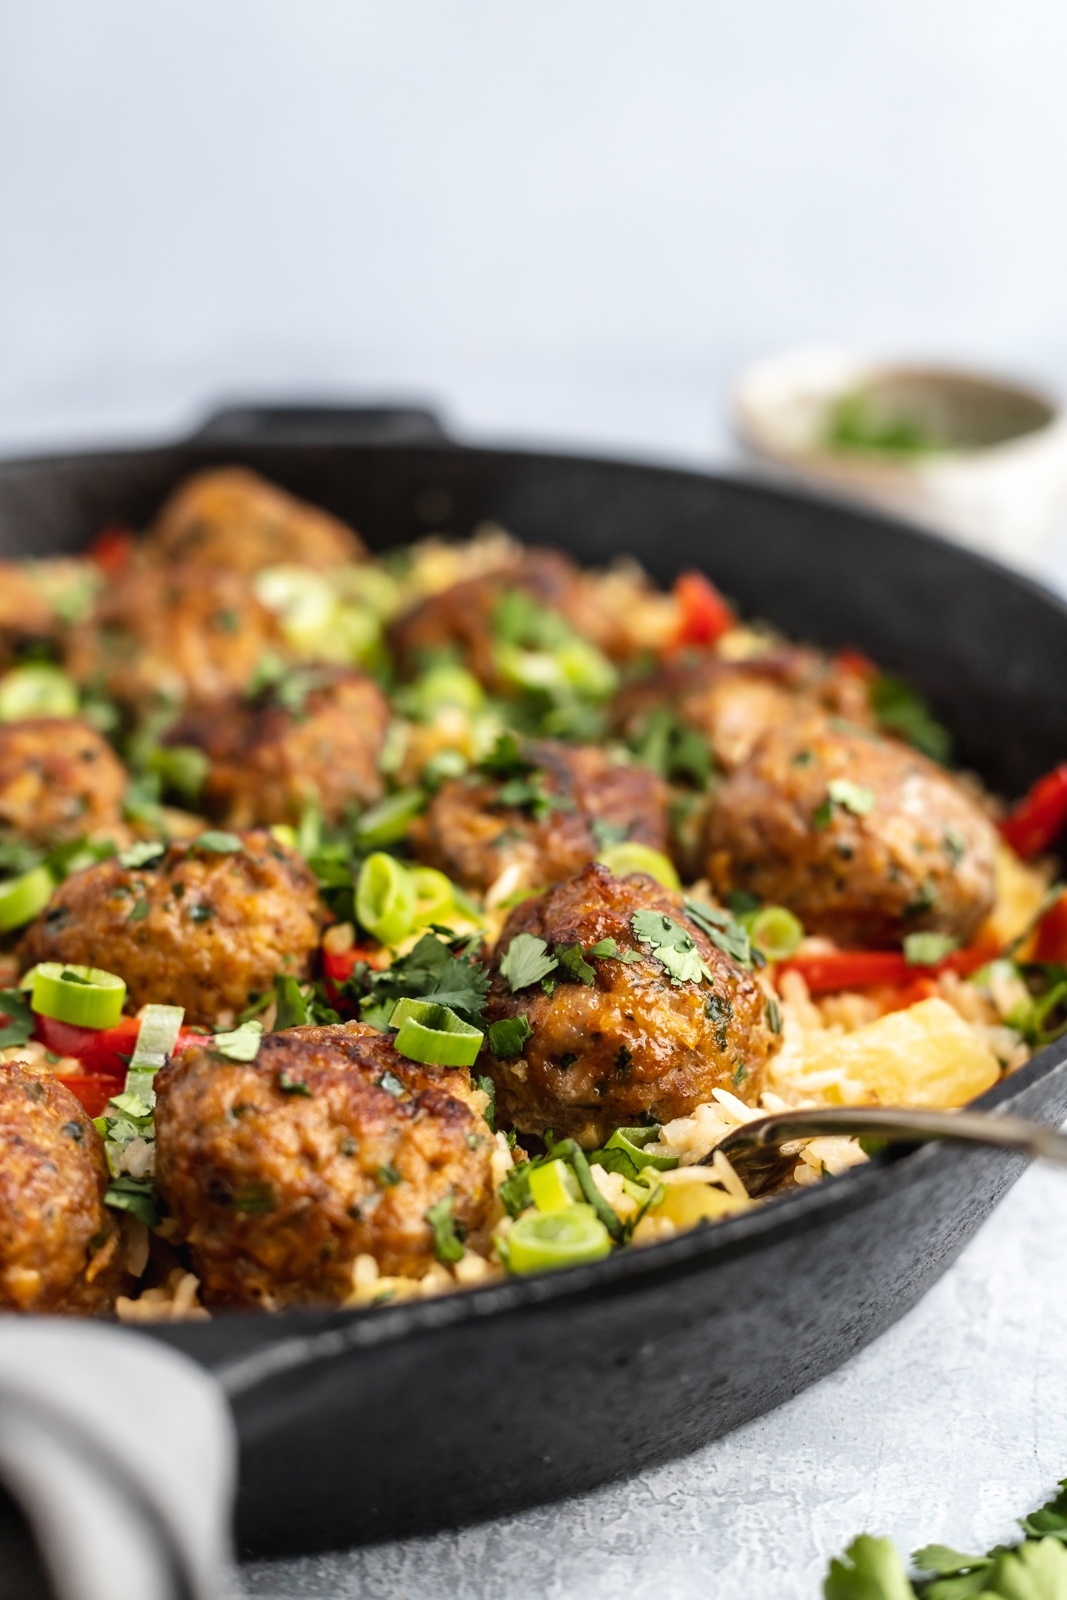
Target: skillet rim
(292, 1338)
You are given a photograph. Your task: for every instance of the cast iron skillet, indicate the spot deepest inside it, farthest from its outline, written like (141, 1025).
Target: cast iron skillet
(374, 1424)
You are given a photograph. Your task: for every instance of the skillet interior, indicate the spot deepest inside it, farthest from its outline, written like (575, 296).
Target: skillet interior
(365, 1425)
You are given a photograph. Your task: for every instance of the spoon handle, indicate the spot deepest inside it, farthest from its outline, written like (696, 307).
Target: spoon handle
(901, 1127)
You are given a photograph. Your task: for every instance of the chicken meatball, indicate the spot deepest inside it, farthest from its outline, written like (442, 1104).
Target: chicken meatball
(633, 1042)
(231, 518)
(862, 837)
(59, 1244)
(203, 925)
(173, 634)
(464, 619)
(59, 779)
(328, 1146)
(546, 824)
(316, 738)
(733, 703)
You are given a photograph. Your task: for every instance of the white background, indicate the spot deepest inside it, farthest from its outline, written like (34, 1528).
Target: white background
(574, 222)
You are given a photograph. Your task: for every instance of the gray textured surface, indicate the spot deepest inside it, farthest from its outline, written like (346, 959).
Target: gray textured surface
(945, 1429)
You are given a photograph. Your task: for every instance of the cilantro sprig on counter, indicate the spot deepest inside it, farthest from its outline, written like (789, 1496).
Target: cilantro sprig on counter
(1034, 1569)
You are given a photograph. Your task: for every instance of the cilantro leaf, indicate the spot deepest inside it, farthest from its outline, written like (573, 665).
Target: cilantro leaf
(136, 1195)
(729, 935)
(526, 961)
(673, 749)
(506, 759)
(903, 712)
(944, 1562)
(870, 1570)
(289, 1085)
(514, 1192)
(292, 1010)
(488, 1087)
(19, 1021)
(572, 959)
(239, 1044)
(447, 1244)
(431, 970)
(672, 946)
(507, 1037)
(854, 797)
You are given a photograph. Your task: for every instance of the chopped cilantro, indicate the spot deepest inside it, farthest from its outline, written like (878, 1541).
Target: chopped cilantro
(673, 749)
(725, 932)
(18, 1021)
(388, 1176)
(140, 910)
(141, 853)
(903, 712)
(438, 968)
(292, 1008)
(514, 1192)
(488, 1087)
(217, 843)
(671, 945)
(447, 1243)
(606, 833)
(507, 1037)
(820, 817)
(854, 797)
(572, 960)
(135, 1195)
(289, 1085)
(506, 759)
(239, 1044)
(526, 961)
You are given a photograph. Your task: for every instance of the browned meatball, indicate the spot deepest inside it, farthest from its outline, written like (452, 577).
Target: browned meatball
(862, 837)
(473, 834)
(196, 927)
(633, 1044)
(59, 1244)
(173, 634)
(329, 1145)
(461, 619)
(232, 518)
(58, 780)
(26, 617)
(319, 740)
(733, 703)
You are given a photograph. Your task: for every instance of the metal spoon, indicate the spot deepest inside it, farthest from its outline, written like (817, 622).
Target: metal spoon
(754, 1149)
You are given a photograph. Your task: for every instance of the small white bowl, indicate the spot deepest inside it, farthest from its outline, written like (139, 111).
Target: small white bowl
(997, 482)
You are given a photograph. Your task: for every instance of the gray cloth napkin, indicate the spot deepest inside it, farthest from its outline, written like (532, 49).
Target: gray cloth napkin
(120, 1452)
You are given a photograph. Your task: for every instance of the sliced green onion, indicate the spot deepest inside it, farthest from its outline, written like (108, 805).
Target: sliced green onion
(390, 819)
(304, 602)
(544, 1240)
(631, 1142)
(87, 997)
(629, 856)
(37, 690)
(156, 1038)
(774, 932)
(434, 1035)
(181, 767)
(23, 897)
(443, 685)
(553, 1187)
(585, 669)
(434, 894)
(385, 898)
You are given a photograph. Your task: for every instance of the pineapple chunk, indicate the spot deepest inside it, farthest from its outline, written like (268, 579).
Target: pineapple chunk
(686, 1204)
(925, 1055)
(1020, 891)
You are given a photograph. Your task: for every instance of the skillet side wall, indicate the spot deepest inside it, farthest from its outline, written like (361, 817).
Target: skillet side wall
(417, 1418)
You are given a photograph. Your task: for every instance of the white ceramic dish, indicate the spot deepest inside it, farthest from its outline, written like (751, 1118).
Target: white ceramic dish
(999, 483)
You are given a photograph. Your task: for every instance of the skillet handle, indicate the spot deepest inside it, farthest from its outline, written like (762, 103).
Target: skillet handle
(322, 424)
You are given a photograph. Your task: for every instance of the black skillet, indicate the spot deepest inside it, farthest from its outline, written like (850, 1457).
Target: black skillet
(374, 1424)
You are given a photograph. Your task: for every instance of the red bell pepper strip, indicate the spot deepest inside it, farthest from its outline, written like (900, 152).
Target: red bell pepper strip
(112, 549)
(857, 663)
(704, 615)
(94, 1093)
(104, 1052)
(1032, 826)
(868, 969)
(1051, 940)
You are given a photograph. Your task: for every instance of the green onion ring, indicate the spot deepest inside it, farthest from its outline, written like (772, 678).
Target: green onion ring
(434, 1035)
(86, 997)
(390, 819)
(37, 689)
(543, 1240)
(385, 898)
(774, 932)
(23, 897)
